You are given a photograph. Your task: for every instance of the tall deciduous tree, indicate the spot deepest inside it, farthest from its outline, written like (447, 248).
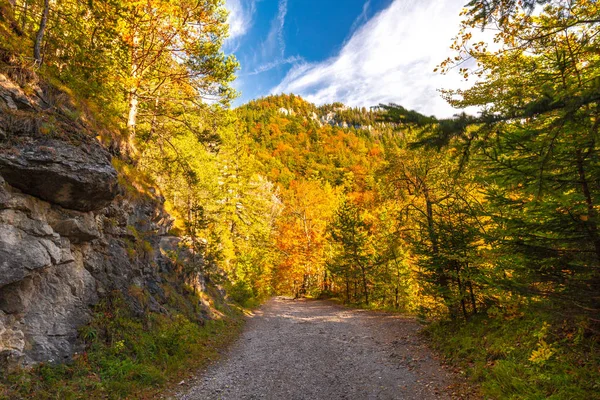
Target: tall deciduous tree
(176, 44)
(39, 37)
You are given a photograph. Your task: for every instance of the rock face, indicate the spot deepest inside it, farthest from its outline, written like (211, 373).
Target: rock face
(14, 98)
(68, 236)
(55, 263)
(75, 177)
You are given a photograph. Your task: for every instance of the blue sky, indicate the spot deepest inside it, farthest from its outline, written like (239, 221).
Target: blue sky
(359, 52)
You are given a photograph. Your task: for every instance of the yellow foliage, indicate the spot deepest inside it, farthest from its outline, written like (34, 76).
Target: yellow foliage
(542, 354)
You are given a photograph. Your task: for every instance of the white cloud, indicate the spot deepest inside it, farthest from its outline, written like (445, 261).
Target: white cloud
(275, 39)
(281, 23)
(389, 59)
(240, 19)
(269, 66)
(362, 18)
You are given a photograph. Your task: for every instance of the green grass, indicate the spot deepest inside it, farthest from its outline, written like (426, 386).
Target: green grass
(129, 357)
(530, 355)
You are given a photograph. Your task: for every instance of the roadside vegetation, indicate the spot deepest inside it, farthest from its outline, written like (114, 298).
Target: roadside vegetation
(527, 354)
(135, 356)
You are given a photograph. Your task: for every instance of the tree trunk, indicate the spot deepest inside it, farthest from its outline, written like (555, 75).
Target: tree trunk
(591, 226)
(441, 278)
(133, 97)
(473, 302)
(365, 286)
(304, 284)
(591, 215)
(430, 226)
(132, 115)
(39, 37)
(461, 291)
(397, 285)
(347, 288)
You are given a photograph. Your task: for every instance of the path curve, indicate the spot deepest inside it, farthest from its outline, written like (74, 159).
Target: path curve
(308, 349)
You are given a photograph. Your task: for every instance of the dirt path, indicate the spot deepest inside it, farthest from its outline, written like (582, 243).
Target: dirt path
(294, 350)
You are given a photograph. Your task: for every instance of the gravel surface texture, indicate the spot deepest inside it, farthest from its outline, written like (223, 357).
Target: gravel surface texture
(308, 349)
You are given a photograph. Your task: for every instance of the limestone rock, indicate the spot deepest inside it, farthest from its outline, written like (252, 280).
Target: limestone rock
(169, 244)
(65, 249)
(12, 342)
(75, 177)
(21, 220)
(21, 253)
(13, 97)
(67, 236)
(66, 240)
(63, 298)
(81, 229)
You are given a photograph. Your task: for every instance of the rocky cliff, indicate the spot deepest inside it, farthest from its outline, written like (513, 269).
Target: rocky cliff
(69, 234)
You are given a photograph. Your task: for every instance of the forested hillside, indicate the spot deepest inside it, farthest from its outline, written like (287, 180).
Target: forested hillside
(481, 221)
(484, 225)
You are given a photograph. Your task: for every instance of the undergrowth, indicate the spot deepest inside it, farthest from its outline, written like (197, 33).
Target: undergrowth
(528, 355)
(241, 292)
(128, 356)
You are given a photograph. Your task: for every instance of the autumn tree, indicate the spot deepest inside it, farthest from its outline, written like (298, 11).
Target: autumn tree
(543, 150)
(174, 44)
(164, 57)
(442, 223)
(308, 207)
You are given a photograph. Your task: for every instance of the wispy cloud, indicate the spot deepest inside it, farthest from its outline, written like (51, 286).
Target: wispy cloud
(362, 18)
(390, 58)
(241, 13)
(274, 64)
(281, 23)
(275, 39)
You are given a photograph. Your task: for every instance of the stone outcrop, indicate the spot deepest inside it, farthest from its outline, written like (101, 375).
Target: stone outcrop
(55, 263)
(12, 97)
(68, 236)
(75, 177)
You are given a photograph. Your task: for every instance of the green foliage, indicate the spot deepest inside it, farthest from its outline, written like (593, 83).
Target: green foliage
(529, 355)
(241, 292)
(535, 149)
(107, 55)
(296, 145)
(312, 155)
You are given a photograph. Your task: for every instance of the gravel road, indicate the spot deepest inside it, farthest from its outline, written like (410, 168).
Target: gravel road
(307, 349)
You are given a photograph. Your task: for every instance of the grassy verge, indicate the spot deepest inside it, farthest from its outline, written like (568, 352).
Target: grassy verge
(529, 355)
(129, 356)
